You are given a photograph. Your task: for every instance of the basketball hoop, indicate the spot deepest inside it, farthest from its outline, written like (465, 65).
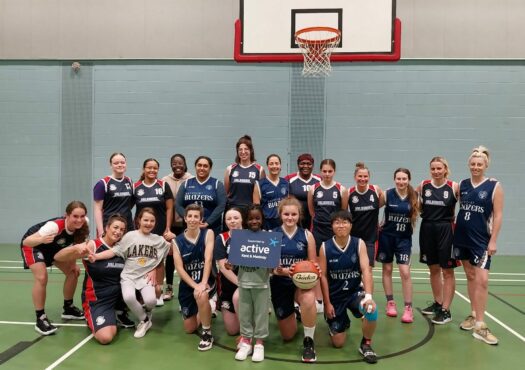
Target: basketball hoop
(316, 44)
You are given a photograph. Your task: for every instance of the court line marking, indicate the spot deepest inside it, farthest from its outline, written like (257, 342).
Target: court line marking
(32, 323)
(69, 353)
(502, 324)
(457, 279)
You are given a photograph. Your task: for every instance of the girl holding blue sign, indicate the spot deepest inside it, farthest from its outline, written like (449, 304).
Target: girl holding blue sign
(254, 298)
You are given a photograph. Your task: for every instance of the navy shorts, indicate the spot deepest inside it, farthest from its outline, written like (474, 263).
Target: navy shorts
(371, 250)
(477, 257)
(283, 295)
(341, 322)
(187, 302)
(435, 244)
(100, 314)
(31, 256)
(390, 246)
(321, 234)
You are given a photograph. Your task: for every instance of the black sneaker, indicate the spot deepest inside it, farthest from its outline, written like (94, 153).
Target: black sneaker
(433, 309)
(72, 313)
(124, 321)
(308, 350)
(206, 341)
(368, 353)
(442, 317)
(44, 326)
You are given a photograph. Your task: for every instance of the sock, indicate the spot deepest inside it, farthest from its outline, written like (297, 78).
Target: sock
(39, 313)
(68, 302)
(206, 329)
(389, 297)
(408, 304)
(259, 341)
(479, 324)
(309, 332)
(439, 304)
(366, 341)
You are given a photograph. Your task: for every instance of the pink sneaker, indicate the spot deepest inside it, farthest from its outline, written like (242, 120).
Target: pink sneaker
(391, 309)
(408, 315)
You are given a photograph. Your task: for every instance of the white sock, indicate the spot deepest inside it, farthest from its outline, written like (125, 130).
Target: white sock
(309, 332)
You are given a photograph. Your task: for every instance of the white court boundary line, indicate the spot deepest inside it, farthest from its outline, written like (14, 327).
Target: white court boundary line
(33, 323)
(69, 353)
(505, 326)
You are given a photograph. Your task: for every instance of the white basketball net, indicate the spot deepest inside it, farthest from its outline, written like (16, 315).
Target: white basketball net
(316, 44)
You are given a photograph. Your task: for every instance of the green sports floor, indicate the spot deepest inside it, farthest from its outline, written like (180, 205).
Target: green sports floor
(420, 345)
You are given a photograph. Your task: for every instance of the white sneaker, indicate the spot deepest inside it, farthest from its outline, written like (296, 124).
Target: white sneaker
(244, 351)
(142, 329)
(160, 302)
(258, 353)
(319, 306)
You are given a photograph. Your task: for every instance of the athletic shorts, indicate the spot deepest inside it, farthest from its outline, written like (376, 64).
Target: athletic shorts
(435, 244)
(283, 296)
(390, 246)
(99, 314)
(226, 289)
(187, 302)
(371, 250)
(321, 234)
(31, 256)
(477, 257)
(341, 322)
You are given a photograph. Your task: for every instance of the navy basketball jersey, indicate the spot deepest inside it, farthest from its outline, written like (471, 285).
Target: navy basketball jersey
(437, 202)
(397, 215)
(474, 220)
(326, 202)
(102, 277)
(117, 197)
(153, 196)
(294, 248)
(364, 208)
(271, 196)
(192, 255)
(343, 270)
(299, 188)
(203, 194)
(63, 238)
(242, 182)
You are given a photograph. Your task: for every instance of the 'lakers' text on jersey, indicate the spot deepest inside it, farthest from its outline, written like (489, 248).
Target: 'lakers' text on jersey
(117, 197)
(437, 202)
(474, 220)
(343, 268)
(364, 208)
(242, 182)
(397, 221)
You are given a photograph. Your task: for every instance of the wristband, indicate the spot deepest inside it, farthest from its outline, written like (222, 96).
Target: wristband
(368, 297)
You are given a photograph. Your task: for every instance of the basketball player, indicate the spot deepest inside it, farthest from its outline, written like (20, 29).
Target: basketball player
(300, 184)
(364, 201)
(193, 256)
(395, 239)
(39, 246)
(347, 285)
(270, 191)
(477, 228)
(325, 198)
(113, 194)
(438, 197)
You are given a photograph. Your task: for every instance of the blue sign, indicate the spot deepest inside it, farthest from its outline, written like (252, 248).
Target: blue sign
(255, 249)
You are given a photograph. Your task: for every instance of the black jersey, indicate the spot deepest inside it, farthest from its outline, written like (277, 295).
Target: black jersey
(364, 208)
(153, 196)
(397, 215)
(242, 182)
(102, 277)
(326, 201)
(117, 197)
(299, 188)
(437, 202)
(63, 238)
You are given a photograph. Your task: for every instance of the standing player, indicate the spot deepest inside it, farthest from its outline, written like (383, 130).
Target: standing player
(438, 198)
(298, 244)
(477, 228)
(270, 191)
(175, 180)
(39, 245)
(193, 256)
(300, 184)
(325, 198)
(143, 252)
(101, 291)
(228, 280)
(240, 177)
(395, 239)
(206, 191)
(364, 201)
(347, 285)
(113, 194)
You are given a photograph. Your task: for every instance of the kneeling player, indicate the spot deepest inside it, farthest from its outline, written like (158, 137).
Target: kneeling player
(344, 264)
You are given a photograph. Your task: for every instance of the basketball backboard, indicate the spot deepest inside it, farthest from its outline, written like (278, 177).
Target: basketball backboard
(266, 28)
